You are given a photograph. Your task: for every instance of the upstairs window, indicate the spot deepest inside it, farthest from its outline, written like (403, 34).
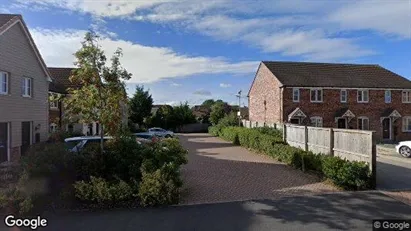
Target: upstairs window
(343, 96)
(316, 95)
(362, 96)
(363, 123)
(406, 96)
(4, 83)
(296, 95)
(316, 121)
(387, 96)
(53, 100)
(26, 87)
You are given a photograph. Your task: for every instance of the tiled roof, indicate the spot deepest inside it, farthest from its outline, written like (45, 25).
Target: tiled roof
(305, 74)
(60, 76)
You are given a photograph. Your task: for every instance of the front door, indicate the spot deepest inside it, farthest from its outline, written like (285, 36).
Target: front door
(341, 123)
(386, 124)
(295, 121)
(25, 136)
(4, 140)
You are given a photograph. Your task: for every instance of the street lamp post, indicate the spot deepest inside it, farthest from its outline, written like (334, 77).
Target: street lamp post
(239, 107)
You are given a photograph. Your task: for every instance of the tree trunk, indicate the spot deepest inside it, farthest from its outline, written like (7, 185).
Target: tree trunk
(102, 139)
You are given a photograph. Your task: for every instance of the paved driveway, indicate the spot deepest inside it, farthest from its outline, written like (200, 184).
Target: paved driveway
(393, 170)
(218, 171)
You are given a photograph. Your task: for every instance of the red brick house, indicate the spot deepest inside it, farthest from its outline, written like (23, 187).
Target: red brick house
(353, 96)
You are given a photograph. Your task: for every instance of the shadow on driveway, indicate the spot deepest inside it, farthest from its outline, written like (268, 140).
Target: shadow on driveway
(342, 211)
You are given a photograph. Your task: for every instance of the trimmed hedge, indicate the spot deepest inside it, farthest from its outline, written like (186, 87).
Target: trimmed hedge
(349, 175)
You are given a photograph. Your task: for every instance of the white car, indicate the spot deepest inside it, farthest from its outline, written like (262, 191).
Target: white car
(161, 132)
(404, 148)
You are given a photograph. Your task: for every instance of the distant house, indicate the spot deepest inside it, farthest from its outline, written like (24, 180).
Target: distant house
(348, 96)
(24, 80)
(155, 108)
(57, 90)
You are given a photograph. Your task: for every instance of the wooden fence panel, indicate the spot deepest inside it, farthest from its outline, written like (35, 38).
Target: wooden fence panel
(319, 140)
(296, 136)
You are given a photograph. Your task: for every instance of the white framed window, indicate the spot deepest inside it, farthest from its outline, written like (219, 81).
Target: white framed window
(296, 95)
(406, 124)
(343, 96)
(53, 127)
(53, 100)
(387, 96)
(406, 96)
(316, 95)
(316, 121)
(362, 96)
(26, 87)
(363, 123)
(4, 83)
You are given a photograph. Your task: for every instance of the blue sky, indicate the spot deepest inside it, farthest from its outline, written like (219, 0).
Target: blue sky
(195, 50)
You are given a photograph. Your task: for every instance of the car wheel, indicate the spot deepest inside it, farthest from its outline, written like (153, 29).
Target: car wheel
(405, 151)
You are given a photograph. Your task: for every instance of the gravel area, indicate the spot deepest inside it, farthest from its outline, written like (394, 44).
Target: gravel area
(218, 171)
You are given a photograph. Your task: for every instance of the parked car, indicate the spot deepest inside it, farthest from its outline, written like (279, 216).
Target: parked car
(145, 137)
(77, 144)
(161, 132)
(404, 148)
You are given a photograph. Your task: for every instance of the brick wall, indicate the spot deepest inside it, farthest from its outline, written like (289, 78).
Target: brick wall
(265, 88)
(331, 103)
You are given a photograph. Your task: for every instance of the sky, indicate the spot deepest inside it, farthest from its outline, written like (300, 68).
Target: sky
(196, 50)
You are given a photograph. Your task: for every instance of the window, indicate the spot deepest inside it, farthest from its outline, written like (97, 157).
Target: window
(70, 128)
(316, 95)
(53, 100)
(4, 83)
(26, 87)
(406, 96)
(316, 121)
(53, 127)
(406, 124)
(362, 96)
(387, 96)
(363, 123)
(343, 96)
(296, 95)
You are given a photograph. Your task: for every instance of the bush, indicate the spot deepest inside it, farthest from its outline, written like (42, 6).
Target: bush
(158, 187)
(229, 120)
(60, 136)
(343, 173)
(99, 190)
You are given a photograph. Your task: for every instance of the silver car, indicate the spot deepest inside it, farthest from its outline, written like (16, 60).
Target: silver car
(77, 144)
(161, 132)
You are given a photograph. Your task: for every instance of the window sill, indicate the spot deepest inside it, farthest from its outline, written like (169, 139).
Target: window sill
(406, 102)
(316, 101)
(404, 131)
(26, 96)
(54, 108)
(362, 101)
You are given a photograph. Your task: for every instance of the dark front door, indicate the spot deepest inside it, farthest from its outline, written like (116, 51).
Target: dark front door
(295, 121)
(4, 139)
(341, 123)
(386, 128)
(25, 136)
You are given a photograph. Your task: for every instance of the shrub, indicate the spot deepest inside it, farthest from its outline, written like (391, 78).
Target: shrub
(343, 173)
(99, 190)
(158, 187)
(60, 136)
(229, 120)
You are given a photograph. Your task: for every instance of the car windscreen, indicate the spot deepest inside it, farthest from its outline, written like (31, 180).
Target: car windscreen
(71, 144)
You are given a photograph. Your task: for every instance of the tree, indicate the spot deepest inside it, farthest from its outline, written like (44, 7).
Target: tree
(208, 103)
(140, 105)
(183, 114)
(102, 96)
(217, 113)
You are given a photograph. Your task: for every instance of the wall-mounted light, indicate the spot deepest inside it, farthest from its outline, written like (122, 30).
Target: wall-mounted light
(37, 127)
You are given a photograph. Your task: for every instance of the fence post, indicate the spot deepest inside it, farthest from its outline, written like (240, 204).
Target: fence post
(284, 132)
(331, 142)
(373, 160)
(305, 138)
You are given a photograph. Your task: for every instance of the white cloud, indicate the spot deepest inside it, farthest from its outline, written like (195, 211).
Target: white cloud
(147, 64)
(202, 92)
(387, 17)
(225, 85)
(176, 84)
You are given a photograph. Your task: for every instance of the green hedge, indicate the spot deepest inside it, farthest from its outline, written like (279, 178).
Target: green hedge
(350, 175)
